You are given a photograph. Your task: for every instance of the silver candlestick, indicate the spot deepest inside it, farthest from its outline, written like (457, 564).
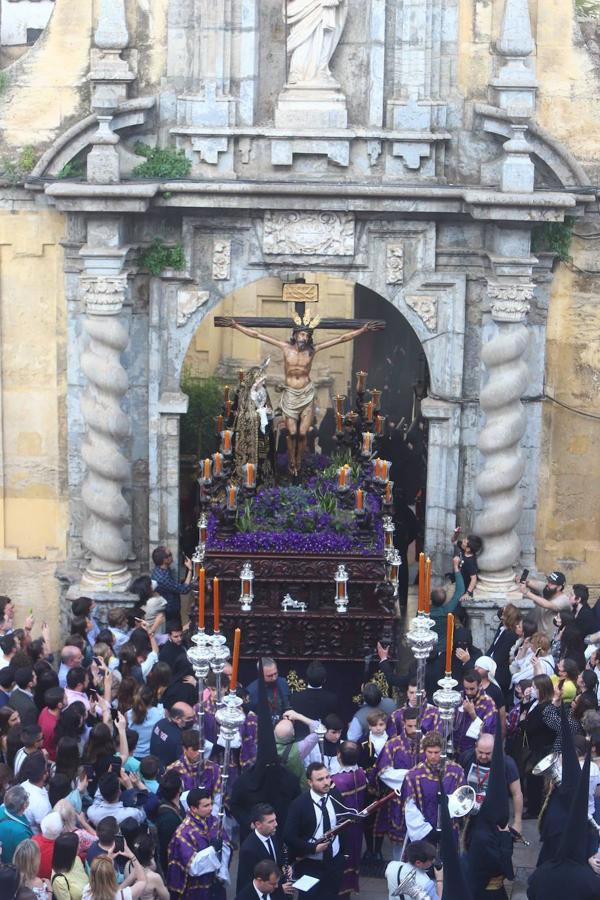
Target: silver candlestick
(447, 699)
(321, 731)
(421, 638)
(200, 656)
(230, 719)
(219, 657)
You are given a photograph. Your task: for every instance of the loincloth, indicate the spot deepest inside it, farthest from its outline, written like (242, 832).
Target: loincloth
(294, 402)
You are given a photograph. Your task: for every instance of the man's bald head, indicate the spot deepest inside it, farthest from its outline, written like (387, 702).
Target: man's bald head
(484, 749)
(71, 656)
(182, 714)
(284, 730)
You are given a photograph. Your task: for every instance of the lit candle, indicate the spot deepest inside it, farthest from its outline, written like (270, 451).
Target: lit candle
(376, 395)
(228, 409)
(361, 382)
(219, 424)
(231, 497)
(449, 643)
(206, 473)
(241, 375)
(378, 425)
(389, 487)
(236, 660)
(360, 500)
(367, 445)
(341, 590)
(218, 460)
(216, 603)
(427, 598)
(249, 475)
(384, 470)
(226, 437)
(245, 587)
(339, 422)
(421, 605)
(370, 411)
(342, 477)
(203, 531)
(339, 403)
(226, 393)
(201, 597)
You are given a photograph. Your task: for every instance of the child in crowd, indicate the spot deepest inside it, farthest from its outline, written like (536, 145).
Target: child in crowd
(332, 742)
(371, 751)
(468, 549)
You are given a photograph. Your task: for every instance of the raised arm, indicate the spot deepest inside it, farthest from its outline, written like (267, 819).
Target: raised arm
(251, 332)
(350, 335)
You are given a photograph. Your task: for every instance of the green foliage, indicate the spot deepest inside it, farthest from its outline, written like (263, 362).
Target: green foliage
(16, 170)
(4, 81)
(76, 168)
(326, 500)
(588, 8)
(244, 520)
(341, 458)
(198, 426)
(158, 257)
(555, 237)
(161, 163)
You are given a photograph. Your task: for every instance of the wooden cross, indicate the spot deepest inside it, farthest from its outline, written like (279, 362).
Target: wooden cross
(300, 294)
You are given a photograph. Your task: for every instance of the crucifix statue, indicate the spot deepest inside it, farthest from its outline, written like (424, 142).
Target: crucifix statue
(298, 391)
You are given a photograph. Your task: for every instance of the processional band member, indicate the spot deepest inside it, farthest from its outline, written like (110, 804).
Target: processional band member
(421, 789)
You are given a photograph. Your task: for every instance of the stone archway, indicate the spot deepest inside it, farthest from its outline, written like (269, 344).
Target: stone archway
(402, 271)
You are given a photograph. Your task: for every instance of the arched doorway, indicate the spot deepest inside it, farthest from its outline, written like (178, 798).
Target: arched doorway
(394, 360)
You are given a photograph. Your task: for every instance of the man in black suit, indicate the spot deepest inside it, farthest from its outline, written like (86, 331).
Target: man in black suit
(311, 816)
(173, 650)
(315, 702)
(265, 883)
(262, 844)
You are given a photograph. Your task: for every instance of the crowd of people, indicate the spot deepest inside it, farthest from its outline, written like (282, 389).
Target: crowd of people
(108, 792)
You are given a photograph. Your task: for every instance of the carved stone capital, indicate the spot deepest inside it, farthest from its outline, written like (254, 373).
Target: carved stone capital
(188, 302)
(103, 295)
(510, 302)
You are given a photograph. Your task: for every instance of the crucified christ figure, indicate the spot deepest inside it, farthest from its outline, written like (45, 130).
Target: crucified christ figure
(298, 394)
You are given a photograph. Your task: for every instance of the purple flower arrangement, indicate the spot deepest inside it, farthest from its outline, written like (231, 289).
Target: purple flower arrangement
(300, 519)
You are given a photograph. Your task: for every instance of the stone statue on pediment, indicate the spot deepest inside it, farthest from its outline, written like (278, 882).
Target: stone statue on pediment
(315, 29)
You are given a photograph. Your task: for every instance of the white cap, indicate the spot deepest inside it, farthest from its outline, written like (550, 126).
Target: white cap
(487, 663)
(51, 826)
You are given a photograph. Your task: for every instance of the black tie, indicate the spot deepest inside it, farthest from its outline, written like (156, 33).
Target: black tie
(328, 854)
(271, 849)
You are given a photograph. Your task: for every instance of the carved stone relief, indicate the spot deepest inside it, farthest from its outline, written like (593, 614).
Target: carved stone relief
(426, 308)
(510, 302)
(222, 261)
(310, 234)
(187, 304)
(395, 264)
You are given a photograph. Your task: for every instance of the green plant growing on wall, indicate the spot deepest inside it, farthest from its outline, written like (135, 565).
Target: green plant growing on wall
(161, 163)
(16, 170)
(588, 8)
(158, 257)
(76, 168)
(554, 237)
(27, 159)
(197, 436)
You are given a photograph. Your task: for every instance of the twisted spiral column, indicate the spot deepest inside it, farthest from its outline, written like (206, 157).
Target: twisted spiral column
(500, 439)
(107, 429)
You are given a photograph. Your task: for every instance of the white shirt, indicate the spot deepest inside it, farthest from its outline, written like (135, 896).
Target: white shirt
(268, 845)
(396, 871)
(319, 831)
(38, 807)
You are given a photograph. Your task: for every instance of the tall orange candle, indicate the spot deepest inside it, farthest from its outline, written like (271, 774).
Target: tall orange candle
(226, 441)
(228, 408)
(339, 403)
(376, 395)
(201, 597)
(427, 597)
(388, 492)
(360, 500)
(370, 411)
(219, 424)
(226, 393)
(218, 459)
(379, 425)
(206, 469)
(421, 606)
(449, 643)
(339, 424)
(216, 603)
(236, 660)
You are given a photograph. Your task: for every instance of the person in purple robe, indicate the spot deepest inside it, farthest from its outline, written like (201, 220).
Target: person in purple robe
(397, 757)
(188, 766)
(249, 734)
(429, 719)
(421, 790)
(198, 858)
(351, 782)
(477, 715)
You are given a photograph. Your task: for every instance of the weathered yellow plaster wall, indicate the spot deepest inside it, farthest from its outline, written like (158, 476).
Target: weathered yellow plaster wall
(46, 88)
(33, 501)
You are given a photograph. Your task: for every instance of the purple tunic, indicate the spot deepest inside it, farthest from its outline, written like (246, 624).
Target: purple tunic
(422, 784)
(430, 719)
(248, 732)
(485, 709)
(398, 753)
(211, 775)
(192, 835)
(352, 785)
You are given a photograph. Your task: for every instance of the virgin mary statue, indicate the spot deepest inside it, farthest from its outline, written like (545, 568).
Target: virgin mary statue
(316, 27)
